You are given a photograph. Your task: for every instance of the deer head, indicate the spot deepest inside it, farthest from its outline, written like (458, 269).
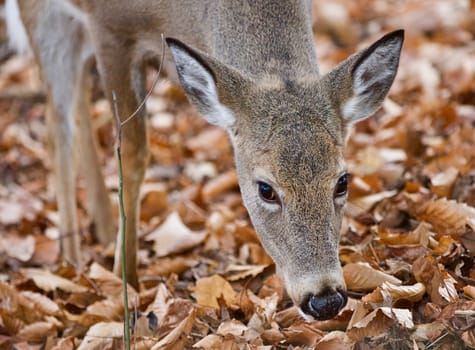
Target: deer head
(288, 134)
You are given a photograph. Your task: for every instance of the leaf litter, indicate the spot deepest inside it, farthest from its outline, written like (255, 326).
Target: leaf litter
(408, 236)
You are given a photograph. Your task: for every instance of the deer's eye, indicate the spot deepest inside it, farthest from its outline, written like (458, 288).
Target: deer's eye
(267, 193)
(341, 188)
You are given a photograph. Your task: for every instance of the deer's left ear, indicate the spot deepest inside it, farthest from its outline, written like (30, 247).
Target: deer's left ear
(205, 81)
(372, 75)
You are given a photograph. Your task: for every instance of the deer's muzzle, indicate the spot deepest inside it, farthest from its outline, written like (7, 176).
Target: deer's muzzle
(325, 305)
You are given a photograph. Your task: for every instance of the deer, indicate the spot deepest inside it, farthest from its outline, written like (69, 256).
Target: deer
(249, 67)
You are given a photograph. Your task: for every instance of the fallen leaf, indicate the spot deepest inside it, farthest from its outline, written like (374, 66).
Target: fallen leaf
(447, 214)
(388, 294)
(173, 236)
(438, 283)
(46, 251)
(48, 282)
(362, 277)
(37, 331)
(42, 303)
(21, 248)
(443, 182)
(153, 202)
(428, 332)
(365, 203)
(237, 272)
(378, 322)
(233, 327)
(209, 289)
(210, 342)
(20, 205)
(221, 183)
(335, 340)
(101, 311)
(176, 338)
(468, 338)
(302, 333)
(469, 291)
(102, 335)
(111, 285)
(65, 344)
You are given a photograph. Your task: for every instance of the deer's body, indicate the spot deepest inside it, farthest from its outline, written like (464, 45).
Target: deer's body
(252, 70)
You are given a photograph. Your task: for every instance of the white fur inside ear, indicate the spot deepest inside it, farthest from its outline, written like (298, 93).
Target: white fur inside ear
(200, 87)
(18, 40)
(352, 110)
(372, 79)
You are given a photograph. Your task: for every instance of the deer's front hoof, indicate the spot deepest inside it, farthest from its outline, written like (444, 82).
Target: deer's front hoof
(326, 305)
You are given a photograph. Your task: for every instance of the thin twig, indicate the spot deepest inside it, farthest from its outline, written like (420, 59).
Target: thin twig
(123, 218)
(122, 222)
(155, 81)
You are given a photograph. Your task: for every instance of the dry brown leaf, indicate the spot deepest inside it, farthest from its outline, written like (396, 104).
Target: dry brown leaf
(15, 309)
(168, 265)
(468, 338)
(21, 205)
(468, 241)
(101, 311)
(469, 291)
(443, 182)
(388, 294)
(335, 340)
(365, 203)
(272, 336)
(209, 289)
(420, 236)
(42, 303)
(210, 342)
(222, 183)
(161, 302)
(177, 310)
(379, 321)
(154, 200)
(173, 236)
(46, 251)
(446, 245)
(233, 327)
(428, 331)
(212, 135)
(65, 344)
(303, 333)
(101, 336)
(111, 285)
(362, 277)
(37, 331)
(360, 311)
(447, 289)
(236, 272)
(177, 337)
(48, 281)
(447, 214)
(200, 171)
(439, 284)
(14, 246)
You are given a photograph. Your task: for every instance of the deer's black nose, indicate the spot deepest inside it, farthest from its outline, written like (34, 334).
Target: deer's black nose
(325, 305)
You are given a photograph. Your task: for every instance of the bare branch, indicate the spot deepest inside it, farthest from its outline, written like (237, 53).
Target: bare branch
(154, 83)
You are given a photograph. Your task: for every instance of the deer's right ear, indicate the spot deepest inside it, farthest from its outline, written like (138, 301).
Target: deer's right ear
(361, 82)
(198, 79)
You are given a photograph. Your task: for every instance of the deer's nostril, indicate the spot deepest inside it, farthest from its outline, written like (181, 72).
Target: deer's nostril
(326, 305)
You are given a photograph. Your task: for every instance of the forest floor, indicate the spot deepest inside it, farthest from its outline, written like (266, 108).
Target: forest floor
(407, 242)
